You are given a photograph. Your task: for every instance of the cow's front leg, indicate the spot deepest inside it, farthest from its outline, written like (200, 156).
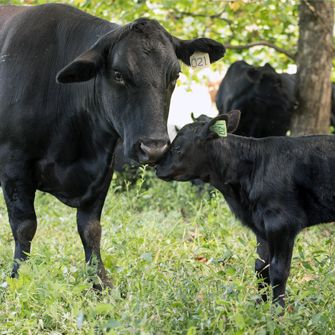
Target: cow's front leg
(262, 266)
(19, 195)
(89, 228)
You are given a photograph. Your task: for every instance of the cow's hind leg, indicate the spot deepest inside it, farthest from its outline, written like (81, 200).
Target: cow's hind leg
(19, 194)
(262, 266)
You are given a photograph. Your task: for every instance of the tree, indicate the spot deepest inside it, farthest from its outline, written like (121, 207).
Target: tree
(315, 54)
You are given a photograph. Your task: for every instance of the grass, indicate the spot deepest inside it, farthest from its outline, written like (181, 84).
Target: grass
(180, 263)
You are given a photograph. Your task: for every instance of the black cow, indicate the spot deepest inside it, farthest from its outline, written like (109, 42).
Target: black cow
(264, 97)
(276, 186)
(112, 81)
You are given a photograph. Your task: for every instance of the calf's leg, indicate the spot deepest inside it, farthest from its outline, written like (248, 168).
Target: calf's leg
(281, 254)
(262, 266)
(280, 236)
(19, 195)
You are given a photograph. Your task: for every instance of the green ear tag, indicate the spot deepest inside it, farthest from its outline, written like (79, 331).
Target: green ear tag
(220, 128)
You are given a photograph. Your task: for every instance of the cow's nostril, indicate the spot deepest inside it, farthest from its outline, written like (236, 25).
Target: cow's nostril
(146, 149)
(153, 152)
(164, 148)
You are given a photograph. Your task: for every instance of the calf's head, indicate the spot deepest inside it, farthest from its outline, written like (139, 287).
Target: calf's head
(134, 69)
(188, 156)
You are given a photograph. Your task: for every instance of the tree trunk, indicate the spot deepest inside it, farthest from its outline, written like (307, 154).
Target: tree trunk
(314, 61)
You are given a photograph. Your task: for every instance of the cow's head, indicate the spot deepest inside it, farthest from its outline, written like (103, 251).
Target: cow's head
(269, 85)
(188, 156)
(135, 68)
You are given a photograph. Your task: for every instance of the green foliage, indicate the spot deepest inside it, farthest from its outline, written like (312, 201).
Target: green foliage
(180, 263)
(230, 22)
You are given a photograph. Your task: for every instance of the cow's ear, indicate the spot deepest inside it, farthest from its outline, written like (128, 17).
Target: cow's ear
(268, 67)
(221, 125)
(83, 68)
(254, 75)
(186, 48)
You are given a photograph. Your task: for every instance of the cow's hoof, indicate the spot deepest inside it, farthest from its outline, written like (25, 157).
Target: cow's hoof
(278, 309)
(14, 275)
(263, 298)
(102, 285)
(259, 301)
(98, 287)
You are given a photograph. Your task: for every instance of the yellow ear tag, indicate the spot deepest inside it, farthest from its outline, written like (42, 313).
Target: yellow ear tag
(220, 128)
(199, 60)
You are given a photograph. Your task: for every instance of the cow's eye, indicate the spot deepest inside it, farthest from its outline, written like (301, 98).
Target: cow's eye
(118, 77)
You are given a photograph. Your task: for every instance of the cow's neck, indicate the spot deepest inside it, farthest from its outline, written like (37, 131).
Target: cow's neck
(88, 120)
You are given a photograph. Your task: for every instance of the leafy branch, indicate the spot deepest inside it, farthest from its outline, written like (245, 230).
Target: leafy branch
(219, 16)
(292, 55)
(179, 14)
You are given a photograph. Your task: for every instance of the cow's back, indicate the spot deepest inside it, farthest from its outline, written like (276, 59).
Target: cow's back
(308, 163)
(8, 12)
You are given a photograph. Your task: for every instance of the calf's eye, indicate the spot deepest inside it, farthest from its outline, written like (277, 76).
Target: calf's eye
(118, 77)
(176, 150)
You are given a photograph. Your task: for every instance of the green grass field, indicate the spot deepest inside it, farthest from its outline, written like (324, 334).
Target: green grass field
(180, 263)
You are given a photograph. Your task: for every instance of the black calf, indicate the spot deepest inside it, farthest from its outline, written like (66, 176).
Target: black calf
(276, 186)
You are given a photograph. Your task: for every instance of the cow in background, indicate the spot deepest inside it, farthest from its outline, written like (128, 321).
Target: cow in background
(265, 98)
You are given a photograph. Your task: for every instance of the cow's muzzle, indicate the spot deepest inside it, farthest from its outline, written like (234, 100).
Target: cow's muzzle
(150, 151)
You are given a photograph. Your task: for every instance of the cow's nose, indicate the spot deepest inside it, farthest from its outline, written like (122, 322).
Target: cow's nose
(151, 151)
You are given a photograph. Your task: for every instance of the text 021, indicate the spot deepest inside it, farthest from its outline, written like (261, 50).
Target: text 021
(199, 60)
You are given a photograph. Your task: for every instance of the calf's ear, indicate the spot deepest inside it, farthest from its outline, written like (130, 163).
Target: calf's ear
(186, 48)
(221, 125)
